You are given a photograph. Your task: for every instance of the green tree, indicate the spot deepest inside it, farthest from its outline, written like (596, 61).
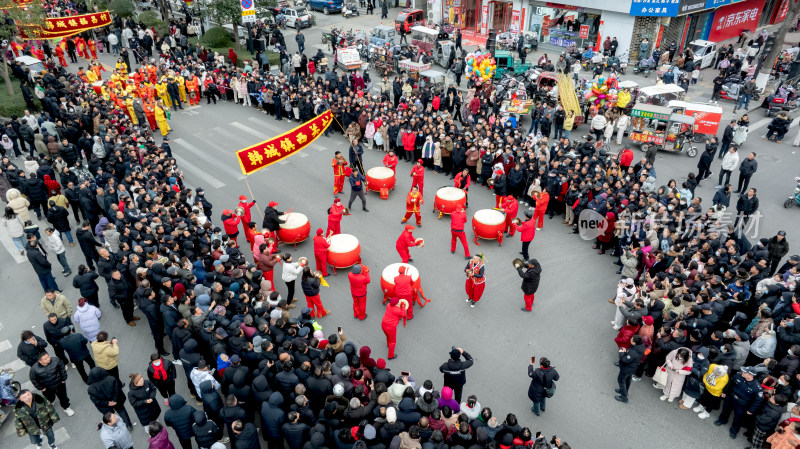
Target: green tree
(263, 8)
(31, 18)
(227, 11)
(777, 46)
(122, 8)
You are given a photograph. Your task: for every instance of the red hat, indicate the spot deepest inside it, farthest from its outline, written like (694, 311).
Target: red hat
(394, 301)
(337, 200)
(419, 160)
(648, 320)
(226, 212)
(319, 231)
(381, 364)
(402, 269)
(272, 204)
(242, 198)
(410, 227)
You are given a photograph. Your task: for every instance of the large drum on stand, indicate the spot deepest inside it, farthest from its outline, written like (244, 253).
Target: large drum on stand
(448, 200)
(295, 229)
(488, 224)
(388, 274)
(344, 252)
(380, 178)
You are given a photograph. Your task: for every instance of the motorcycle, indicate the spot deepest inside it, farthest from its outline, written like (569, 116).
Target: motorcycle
(349, 10)
(794, 198)
(644, 67)
(612, 63)
(623, 63)
(730, 88)
(785, 99)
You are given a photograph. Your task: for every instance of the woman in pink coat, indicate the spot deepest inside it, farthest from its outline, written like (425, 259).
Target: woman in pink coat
(679, 365)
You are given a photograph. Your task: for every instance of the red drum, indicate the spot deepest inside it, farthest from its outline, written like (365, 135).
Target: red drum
(448, 199)
(98, 87)
(380, 178)
(345, 251)
(389, 273)
(295, 230)
(488, 224)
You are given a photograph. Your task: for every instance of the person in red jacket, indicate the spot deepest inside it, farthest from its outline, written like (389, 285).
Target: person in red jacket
(404, 289)
(542, 198)
(510, 207)
(231, 224)
(527, 232)
(321, 245)
(413, 202)
(404, 242)
(624, 335)
(409, 144)
(359, 278)
(246, 218)
(390, 161)
(625, 159)
(462, 181)
(335, 214)
(339, 164)
(395, 311)
(476, 280)
(418, 176)
(457, 220)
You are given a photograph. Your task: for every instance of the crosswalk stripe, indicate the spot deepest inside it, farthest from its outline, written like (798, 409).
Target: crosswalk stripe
(263, 122)
(5, 345)
(216, 162)
(60, 434)
(244, 141)
(16, 365)
(249, 130)
(183, 162)
(11, 247)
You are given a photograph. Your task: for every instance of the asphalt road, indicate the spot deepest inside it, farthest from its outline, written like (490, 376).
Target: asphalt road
(570, 322)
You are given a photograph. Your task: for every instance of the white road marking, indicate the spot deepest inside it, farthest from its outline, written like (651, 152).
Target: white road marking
(202, 174)
(303, 154)
(60, 434)
(16, 365)
(5, 345)
(11, 247)
(250, 130)
(267, 123)
(216, 162)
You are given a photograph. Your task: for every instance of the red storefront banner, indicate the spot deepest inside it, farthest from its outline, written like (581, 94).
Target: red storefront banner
(268, 152)
(59, 27)
(584, 32)
(731, 20)
(781, 14)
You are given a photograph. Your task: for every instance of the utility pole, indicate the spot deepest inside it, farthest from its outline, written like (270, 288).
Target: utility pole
(767, 61)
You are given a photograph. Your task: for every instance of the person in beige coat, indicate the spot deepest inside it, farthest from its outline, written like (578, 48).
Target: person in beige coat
(55, 302)
(679, 365)
(19, 203)
(106, 353)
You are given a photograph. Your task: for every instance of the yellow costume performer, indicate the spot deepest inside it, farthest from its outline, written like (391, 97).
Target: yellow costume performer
(161, 119)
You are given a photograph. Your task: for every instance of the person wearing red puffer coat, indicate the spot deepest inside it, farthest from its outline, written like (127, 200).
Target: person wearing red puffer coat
(231, 224)
(510, 207)
(623, 339)
(527, 232)
(359, 278)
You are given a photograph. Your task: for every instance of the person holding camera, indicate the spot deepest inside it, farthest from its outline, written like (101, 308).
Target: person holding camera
(543, 383)
(454, 371)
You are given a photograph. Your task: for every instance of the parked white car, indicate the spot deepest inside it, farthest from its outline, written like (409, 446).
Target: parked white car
(298, 18)
(704, 52)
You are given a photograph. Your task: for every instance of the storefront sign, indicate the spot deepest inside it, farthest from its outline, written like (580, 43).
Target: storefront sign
(560, 6)
(729, 21)
(690, 6)
(654, 8)
(649, 114)
(647, 138)
(561, 42)
(485, 19)
(584, 33)
(716, 3)
(514, 27)
(782, 13)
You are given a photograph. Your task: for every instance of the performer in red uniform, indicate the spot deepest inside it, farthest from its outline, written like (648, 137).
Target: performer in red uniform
(321, 245)
(231, 224)
(542, 198)
(339, 164)
(462, 182)
(60, 55)
(510, 207)
(359, 278)
(335, 217)
(246, 217)
(418, 175)
(404, 242)
(476, 282)
(390, 161)
(413, 202)
(527, 232)
(395, 311)
(457, 220)
(404, 289)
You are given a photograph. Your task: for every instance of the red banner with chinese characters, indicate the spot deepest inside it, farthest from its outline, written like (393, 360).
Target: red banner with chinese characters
(730, 20)
(58, 27)
(268, 152)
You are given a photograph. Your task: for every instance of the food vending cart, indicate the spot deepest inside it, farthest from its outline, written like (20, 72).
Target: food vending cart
(707, 117)
(659, 126)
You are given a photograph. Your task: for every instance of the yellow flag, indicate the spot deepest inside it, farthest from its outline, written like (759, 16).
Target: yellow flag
(323, 282)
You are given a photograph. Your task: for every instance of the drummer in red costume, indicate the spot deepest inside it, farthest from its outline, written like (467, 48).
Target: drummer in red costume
(339, 164)
(390, 161)
(457, 220)
(335, 214)
(418, 175)
(231, 224)
(321, 245)
(476, 281)
(246, 206)
(542, 198)
(510, 207)
(462, 182)
(359, 278)
(404, 242)
(395, 311)
(527, 232)
(413, 202)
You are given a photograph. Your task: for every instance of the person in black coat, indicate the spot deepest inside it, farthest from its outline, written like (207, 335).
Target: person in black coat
(119, 292)
(629, 360)
(29, 347)
(542, 379)
(454, 371)
(75, 345)
(142, 394)
(85, 282)
(88, 244)
(146, 297)
(59, 218)
(746, 206)
(52, 332)
(272, 418)
(180, 417)
(231, 413)
(272, 220)
(530, 281)
(50, 376)
(246, 436)
(704, 164)
(295, 432)
(205, 431)
(212, 402)
(37, 256)
(161, 373)
(727, 139)
(105, 389)
(37, 194)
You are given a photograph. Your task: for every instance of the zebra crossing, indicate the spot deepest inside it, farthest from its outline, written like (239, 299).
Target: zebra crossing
(209, 155)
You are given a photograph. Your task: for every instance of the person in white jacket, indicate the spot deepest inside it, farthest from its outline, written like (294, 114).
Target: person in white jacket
(291, 270)
(729, 163)
(54, 243)
(200, 374)
(622, 124)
